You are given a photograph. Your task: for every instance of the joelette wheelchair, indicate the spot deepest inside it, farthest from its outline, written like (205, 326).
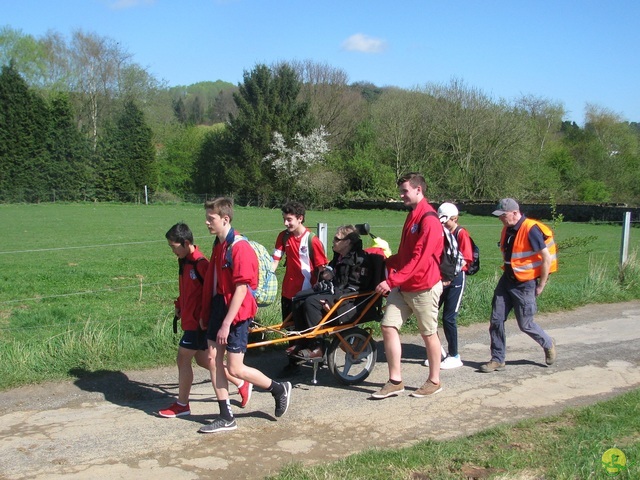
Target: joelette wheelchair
(349, 348)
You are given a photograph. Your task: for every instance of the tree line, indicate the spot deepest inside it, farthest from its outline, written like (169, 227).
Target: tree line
(80, 118)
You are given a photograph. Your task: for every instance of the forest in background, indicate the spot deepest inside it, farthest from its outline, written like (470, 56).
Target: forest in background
(81, 121)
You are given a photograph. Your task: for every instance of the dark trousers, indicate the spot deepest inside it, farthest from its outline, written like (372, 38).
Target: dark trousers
(521, 298)
(450, 302)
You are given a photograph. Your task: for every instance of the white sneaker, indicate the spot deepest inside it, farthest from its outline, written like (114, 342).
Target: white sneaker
(451, 362)
(443, 354)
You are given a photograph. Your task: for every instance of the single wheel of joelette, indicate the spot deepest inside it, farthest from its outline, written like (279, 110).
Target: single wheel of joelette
(352, 359)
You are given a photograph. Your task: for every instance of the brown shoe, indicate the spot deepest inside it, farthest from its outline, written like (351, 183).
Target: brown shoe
(389, 390)
(550, 353)
(492, 366)
(429, 388)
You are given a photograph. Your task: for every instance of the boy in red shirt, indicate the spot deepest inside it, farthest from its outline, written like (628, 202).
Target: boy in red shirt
(193, 267)
(227, 312)
(304, 252)
(305, 257)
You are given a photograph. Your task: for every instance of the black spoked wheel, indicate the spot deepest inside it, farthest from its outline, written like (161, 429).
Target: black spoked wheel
(352, 359)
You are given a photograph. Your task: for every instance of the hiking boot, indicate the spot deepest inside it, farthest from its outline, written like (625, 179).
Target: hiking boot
(429, 388)
(175, 410)
(389, 390)
(219, 425)
(283, 400)
(245, 393)
(492, 366)
(451, 362)
(550, 353)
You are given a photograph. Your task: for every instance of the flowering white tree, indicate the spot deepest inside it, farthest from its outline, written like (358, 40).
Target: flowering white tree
(290, 163)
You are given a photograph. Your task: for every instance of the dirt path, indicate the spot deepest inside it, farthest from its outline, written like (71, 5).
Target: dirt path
(106, 428)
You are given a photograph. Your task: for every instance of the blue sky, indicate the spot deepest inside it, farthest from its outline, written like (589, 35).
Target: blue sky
(571, 51)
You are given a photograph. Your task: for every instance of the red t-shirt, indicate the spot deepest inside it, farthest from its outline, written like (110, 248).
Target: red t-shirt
(189, 301)
(416, 266)
(299, 272)
(243, 270)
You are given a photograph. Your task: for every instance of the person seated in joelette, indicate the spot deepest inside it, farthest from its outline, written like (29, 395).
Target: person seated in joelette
(349, 271)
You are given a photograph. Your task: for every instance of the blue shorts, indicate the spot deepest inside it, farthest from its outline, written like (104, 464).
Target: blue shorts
(194, 340)
(238, 333)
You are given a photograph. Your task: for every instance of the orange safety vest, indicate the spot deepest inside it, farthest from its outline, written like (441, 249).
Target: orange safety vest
(527, 264)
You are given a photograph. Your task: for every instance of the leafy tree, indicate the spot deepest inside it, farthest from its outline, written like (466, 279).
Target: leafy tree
(180, 111)
(267, 102)
(292, 164)
(367, 175)
(68, 170)
(223, 106)
(177, 159)
(127, 155)
(23, 133)
(471, 142)
(212, 163)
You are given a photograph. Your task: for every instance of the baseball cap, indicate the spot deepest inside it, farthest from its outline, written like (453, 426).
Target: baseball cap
(506, 205)
(446, 211)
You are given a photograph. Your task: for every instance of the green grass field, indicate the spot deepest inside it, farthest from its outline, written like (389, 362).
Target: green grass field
(91, 286)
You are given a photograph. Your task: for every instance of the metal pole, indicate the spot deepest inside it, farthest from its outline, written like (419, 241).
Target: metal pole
(146, 195)
(624, 247)
(322, 235)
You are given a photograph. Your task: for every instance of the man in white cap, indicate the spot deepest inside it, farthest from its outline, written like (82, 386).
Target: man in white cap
(458, 245)
(529, 254)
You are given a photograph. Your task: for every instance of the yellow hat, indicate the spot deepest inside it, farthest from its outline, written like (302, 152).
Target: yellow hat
(382, 244)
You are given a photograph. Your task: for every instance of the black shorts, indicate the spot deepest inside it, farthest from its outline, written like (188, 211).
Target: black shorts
(194, 340)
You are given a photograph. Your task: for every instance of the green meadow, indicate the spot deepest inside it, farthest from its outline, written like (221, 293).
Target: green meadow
(85, 287)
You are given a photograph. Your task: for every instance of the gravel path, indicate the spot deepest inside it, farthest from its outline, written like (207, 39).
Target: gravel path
(106, 428)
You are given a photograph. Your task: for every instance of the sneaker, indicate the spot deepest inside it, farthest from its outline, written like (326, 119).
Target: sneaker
(219, 425)
(443, 355)
(245, 393)
(389, 390)
(451, 362)
(429, 388)
(550, 353)
(282, 401)
(492, 366)
(175, 410)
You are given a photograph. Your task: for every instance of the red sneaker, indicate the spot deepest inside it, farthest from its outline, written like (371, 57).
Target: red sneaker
(245, 393)
(175, 410)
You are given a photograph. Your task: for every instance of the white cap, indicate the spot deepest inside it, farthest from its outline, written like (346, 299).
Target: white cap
(446, 211)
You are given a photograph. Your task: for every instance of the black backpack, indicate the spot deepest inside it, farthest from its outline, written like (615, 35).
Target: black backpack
(473, 267)
(448, 261)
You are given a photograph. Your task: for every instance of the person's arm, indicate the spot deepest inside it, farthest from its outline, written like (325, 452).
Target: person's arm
(320, 259)
(544, 270)
(234, 307)
(278, 252)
